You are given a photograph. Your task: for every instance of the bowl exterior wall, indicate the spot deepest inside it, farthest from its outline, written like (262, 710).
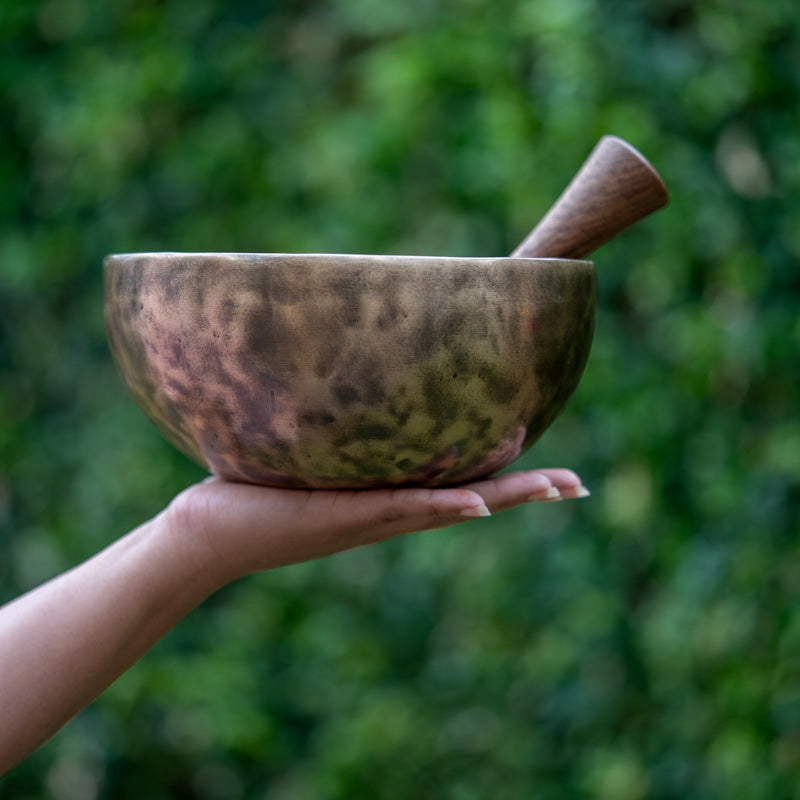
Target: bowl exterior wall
(349, 371)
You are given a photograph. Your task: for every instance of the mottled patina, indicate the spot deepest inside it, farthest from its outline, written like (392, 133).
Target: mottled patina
(341, 371)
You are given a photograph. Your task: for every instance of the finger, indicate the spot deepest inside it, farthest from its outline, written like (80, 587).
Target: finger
(567, 482)
(407, 524)
(506, 491)
(512, 489)
(390, 509)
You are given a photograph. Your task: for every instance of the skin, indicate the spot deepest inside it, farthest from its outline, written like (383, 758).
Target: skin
(63, 643)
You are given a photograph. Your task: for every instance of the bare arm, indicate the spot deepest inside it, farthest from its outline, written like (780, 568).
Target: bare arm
(64, 642)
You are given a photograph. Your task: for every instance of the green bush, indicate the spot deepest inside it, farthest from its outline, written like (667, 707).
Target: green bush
(644, 643)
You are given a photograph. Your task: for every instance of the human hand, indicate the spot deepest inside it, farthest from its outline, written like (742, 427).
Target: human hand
(64, 642)
(234, 529)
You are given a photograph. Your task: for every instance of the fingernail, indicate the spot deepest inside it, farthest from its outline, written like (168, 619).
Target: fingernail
(476, 511)
(578, 492)
(551, 494)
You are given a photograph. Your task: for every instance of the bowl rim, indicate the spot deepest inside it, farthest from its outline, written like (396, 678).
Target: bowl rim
(257, 257)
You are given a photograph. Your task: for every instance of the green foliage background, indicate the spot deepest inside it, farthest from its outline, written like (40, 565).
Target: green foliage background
(644, 643)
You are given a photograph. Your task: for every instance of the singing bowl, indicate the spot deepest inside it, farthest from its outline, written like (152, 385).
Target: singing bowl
(349, 371)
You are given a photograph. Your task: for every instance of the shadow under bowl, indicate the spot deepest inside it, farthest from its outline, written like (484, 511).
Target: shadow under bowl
(349, 371)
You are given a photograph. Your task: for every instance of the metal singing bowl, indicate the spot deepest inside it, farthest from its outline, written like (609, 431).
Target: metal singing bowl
(352, 371)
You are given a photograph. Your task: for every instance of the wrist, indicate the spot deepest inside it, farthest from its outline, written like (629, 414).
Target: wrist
(187, 529)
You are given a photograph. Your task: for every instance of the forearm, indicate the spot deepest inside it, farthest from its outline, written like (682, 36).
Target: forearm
(66, 641)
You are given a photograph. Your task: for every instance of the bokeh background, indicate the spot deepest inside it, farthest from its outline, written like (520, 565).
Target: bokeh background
(644, 643)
